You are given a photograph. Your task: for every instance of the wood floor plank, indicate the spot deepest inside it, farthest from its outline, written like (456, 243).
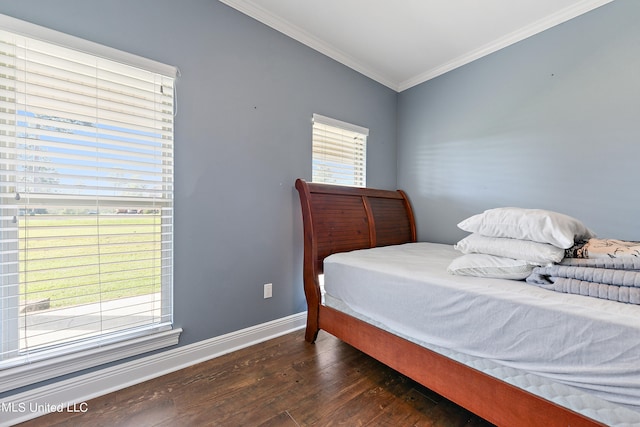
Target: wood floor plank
(281, 420)
(282, 382)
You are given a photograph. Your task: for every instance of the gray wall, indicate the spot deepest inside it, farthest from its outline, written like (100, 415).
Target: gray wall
(551, 122)
(242, 136)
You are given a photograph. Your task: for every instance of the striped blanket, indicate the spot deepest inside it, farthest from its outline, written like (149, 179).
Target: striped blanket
(603, 270)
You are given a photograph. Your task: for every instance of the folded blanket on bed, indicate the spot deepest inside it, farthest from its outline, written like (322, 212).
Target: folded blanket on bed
(625, 294)
(631, 263)
(614, 285)
(605, 276)
(613, 273)
(603, 248)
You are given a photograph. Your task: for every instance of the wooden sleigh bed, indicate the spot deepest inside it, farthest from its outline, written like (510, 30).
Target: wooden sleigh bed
(340, 219)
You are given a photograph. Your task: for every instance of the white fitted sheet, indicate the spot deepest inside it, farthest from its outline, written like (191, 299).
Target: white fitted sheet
(589, 346)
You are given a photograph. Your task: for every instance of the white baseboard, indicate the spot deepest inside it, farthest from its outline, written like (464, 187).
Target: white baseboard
(71, 395)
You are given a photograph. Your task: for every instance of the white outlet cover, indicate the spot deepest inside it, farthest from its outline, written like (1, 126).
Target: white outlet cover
(268, 290)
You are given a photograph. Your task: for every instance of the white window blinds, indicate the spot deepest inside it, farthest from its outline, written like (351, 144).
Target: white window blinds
(86, 199)
(339, 152)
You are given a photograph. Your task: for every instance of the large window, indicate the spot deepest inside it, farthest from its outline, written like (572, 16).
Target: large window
(339, 152)
(86, 196)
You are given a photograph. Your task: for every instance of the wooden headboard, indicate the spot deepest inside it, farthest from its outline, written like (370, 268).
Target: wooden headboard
(340, 219)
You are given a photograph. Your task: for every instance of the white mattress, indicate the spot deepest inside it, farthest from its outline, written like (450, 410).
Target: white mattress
(581, 352)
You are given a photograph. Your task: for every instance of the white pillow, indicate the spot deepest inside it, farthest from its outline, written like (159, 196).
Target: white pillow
(482, 265)
(537, 225)
(533, 252)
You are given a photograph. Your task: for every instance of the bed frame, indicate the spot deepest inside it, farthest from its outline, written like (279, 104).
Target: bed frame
(340, 219)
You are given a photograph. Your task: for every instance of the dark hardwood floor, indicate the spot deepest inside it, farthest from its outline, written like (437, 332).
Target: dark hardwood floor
(281, 382)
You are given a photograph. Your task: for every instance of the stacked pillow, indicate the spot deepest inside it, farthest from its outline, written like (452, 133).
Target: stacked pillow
(508, 243)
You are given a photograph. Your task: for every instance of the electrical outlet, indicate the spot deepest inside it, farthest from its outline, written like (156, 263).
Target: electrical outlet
(267, 290)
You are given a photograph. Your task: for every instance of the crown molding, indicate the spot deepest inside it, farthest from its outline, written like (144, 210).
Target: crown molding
(262, 15)
(253, 10)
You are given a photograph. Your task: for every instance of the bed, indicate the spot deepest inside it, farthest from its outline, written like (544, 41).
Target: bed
(360, 239)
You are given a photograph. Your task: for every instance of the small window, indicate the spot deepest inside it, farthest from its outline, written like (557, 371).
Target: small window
(339, 152)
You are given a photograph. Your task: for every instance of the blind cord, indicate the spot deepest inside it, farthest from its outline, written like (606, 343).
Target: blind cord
(175, 92)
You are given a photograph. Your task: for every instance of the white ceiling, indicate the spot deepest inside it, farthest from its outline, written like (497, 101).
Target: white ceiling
(401, 43)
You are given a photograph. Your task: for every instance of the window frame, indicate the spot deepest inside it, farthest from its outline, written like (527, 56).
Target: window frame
(54, 362)
(330, 136)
